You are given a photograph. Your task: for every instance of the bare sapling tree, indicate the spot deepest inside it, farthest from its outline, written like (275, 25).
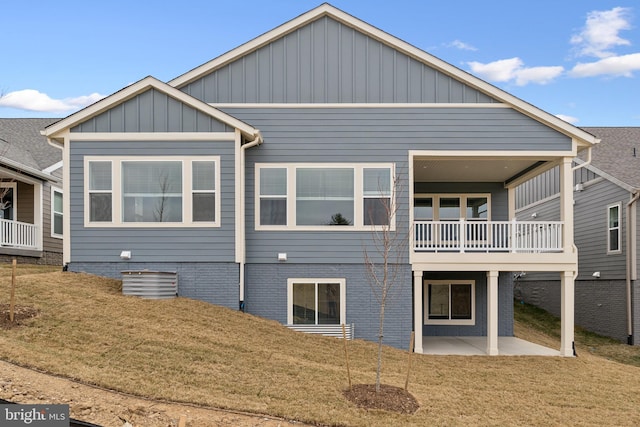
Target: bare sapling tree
(162, 203)
(383, 258)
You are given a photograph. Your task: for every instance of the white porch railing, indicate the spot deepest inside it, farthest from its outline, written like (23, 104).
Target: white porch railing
(19, 234)
(487, 236)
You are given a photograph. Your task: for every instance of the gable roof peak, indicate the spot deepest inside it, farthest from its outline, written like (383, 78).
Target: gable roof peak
(52, 131)
(583, 139)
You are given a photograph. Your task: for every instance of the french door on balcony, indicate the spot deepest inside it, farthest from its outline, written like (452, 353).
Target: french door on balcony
(452, 220)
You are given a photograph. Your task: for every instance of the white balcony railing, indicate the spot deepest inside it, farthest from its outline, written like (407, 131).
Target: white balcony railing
(19, 234)
(487, 236)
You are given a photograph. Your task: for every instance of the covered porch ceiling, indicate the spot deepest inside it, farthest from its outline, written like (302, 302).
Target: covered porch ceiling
(474, 169)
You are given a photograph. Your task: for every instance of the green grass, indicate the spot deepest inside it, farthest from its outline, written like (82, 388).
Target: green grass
(189, 351)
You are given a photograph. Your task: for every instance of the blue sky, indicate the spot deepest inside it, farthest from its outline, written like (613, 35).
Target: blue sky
(579, 60)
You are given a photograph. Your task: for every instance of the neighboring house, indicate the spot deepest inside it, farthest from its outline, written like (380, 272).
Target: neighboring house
(31, 195)
(233, 174)
(606, 190)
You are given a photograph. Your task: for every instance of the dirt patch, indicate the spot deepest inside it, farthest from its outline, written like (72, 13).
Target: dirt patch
(389, 398)
(111, 409)
(20, 314)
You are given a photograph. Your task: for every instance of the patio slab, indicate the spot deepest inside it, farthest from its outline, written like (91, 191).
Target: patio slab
(476, 346)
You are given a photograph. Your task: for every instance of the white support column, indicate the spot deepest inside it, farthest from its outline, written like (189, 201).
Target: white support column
(492, 313)
(417, 310)
(511, 191)
(567, 291)
(566, 203)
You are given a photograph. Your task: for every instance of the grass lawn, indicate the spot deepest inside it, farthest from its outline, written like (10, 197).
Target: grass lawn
(189, 351)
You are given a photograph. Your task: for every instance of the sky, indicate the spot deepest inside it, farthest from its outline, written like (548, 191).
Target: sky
(576, 59)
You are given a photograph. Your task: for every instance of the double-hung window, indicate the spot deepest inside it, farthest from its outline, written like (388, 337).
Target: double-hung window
(316, 301)
(323, 196)
(449, 302)
(614, 229)
(100, 186)
(56, 213)
(160, 191)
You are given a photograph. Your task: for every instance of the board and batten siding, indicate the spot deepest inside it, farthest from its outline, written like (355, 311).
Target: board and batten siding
(326, 61)
(376, 135)
(547, 184)
(161, 244)
(152, 111)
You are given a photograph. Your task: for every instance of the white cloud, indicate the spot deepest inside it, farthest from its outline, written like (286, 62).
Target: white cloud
(600, 32)
(568, 119)
(623, 65)
(462, 45)
(513, 69)
(33, 100)
(538, 75)
(502, 70)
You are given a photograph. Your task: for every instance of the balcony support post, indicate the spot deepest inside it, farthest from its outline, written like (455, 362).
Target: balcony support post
(417, 310)
(566, 203)
(567, 290)
(492, 313)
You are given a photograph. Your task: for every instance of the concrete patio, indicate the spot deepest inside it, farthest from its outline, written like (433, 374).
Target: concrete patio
(476, 346)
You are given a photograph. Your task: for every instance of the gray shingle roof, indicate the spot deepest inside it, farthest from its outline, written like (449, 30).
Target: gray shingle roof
(618, 154)
(25, 145)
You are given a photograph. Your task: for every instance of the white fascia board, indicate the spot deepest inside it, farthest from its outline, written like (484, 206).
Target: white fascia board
(53, 167)
(151, 136)
(584, 138)
(56, 130)
(491, 154)
(24, 172)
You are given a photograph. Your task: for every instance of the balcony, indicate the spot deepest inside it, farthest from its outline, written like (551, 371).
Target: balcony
(19, 235)
(483, 245)
(487, 236)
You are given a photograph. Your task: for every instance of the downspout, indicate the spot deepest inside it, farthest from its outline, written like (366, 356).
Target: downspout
(585, 163)
(257, 140)
(631, 260)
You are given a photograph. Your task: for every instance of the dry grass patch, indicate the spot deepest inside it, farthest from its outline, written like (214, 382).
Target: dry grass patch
(189, 351)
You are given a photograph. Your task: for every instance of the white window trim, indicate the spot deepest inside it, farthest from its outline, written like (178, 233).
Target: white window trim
(358, 221)
(343, 295)
(425, 293)
(619, 250)
(53, 212)
(463, 203)
(14, 203)
(116, 192)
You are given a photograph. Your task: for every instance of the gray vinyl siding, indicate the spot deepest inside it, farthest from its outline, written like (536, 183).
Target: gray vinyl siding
(479, 328)
(152, 111)
(381, 135)
(172, 244)
(266, 296)
(49, 243)
(24, 203)
(328, 62)
(591, 230)
(590, 215)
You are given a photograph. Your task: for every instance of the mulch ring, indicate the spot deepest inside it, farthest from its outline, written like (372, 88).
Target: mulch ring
(20, 314)
(389, 398)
